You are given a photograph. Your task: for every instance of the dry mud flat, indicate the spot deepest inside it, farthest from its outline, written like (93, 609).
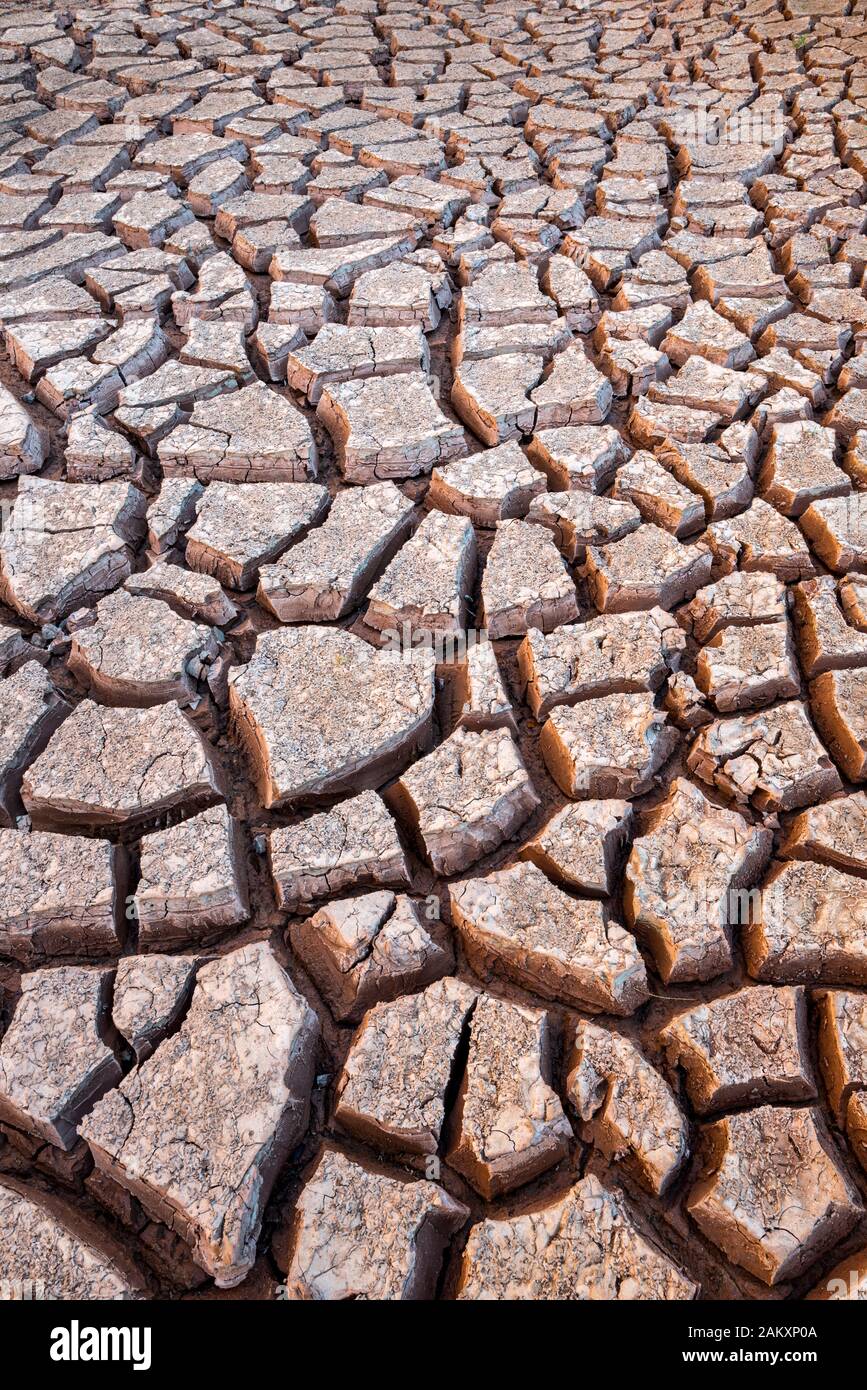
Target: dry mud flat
(433, 650)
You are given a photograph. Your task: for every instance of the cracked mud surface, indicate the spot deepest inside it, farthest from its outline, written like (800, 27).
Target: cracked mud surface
(433, 649)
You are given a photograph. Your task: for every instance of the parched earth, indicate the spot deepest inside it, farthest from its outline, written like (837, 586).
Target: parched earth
(433, 650)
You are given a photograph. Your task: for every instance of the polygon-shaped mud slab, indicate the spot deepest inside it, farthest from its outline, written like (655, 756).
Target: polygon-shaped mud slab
(704, 333)
(833, 833)
(488, 487)
(427, 584)
(683, 878)
(133, 651)
(658, 495)
(508, 1123)
(654, 422)
(616, 653)
(627, 1109)
(95, 454)
(388, 427)
(170, 514)
(746, 1048)
(579, 519)
(808, 925)
(392, 1089)
(179, 384)
(49, 1250)
(251, 435)
(772, 1195)
(652, 570)
(744, 596)
(585, 457)
(339, 353)
(745, 667)
(518, 925)
(480, 694)
(525, 583)
(573, 392)
(54, 1062)
(192, 881)
(573, 292)
(353, 844)
(30, 711)
(761, 538)
(358, 1234)
(465, 798)
(65, 543)
(799, 467)
(23, 445)
(193, 595)
(476, 342)
(583, 1246)
(366, 950)
(400, 293)
(841, 1037)
(720, 472)
(838, 701)
(240, 526)
(150, 994)
(222, 292)
(327, 574)
(772, 760)
(295, 708)
(199, 1131)
(119, 767)
(306, 306)
(212, 343)
(60, 897)
(581, 845)
(505, 294)
(492, 395)
(826, 639)
(836, 528)
(610, 746)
